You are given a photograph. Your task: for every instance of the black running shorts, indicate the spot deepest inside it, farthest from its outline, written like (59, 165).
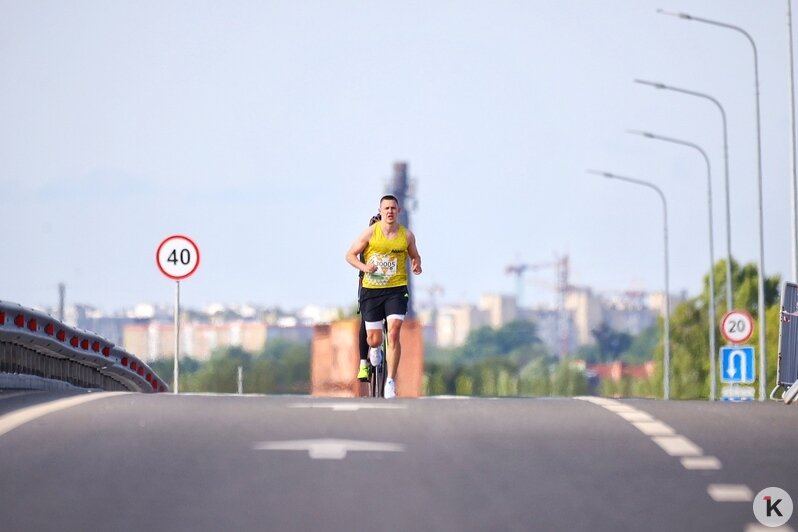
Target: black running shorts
(377, 303)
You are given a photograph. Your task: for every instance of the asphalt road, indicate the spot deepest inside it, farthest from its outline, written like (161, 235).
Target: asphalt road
(229, 463)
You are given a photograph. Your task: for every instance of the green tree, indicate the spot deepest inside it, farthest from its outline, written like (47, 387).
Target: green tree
(568, 380)
(610, 343)
(535, 378)
(690, 378)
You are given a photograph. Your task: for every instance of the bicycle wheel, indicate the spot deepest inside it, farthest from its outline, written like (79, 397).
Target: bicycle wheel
(378, 373)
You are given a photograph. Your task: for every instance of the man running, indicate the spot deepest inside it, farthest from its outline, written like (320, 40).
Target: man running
(386, 246)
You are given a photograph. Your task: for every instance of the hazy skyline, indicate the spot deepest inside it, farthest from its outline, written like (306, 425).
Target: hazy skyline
(266, 132)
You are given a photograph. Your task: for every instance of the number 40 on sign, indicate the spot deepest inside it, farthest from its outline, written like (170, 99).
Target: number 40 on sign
(178, 257)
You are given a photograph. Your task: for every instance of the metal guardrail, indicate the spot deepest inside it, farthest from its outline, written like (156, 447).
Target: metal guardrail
(36, 344)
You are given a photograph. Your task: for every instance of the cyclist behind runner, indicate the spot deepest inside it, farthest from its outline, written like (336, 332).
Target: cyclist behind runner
(386, 246)
(363, 371)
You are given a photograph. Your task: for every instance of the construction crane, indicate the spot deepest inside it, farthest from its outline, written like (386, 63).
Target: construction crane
(562, 267)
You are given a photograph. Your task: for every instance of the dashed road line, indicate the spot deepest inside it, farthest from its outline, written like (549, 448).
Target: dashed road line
(678, 445)
(756, 527)
(654, 428)
(635, 416)
(730, 493)
(705, 463)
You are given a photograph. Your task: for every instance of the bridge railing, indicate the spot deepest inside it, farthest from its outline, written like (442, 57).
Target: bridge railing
(34, 343)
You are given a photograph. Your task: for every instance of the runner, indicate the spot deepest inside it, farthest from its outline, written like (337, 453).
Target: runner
(386, 247)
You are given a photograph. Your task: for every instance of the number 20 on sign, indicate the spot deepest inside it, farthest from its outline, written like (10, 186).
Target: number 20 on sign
(178, 257)
(737, 326)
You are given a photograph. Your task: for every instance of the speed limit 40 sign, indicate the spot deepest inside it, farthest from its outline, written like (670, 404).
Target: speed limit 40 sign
(737, 326)
(178, 257)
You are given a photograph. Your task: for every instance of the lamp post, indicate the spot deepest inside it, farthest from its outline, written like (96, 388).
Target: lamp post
(712, 351)
(667, 338)
(793, 183)
(657, 85)
(761, 266)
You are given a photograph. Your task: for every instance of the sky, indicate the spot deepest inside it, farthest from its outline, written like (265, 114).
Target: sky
(266, 131)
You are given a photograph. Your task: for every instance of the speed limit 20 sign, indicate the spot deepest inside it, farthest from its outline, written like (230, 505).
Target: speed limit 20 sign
(178, 257)
(737, 326)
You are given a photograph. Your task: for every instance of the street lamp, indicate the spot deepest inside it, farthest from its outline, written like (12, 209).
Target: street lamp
(793, 183)
(667, 340)
(713, 378)
(761, 266)
(657, 85)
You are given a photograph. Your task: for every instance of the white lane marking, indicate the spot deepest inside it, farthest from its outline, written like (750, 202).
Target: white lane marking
(756, 527)
(15, 394)
(620, 408)
(18, 418)
(701, 463)
(350, 407)
(678, 445)
(730, 493)
(455, 397)
(635, 416)
(328, 449)
(654, 428)
(598, 400)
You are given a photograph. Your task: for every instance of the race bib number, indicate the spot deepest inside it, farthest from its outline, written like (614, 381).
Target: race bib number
(386, 268)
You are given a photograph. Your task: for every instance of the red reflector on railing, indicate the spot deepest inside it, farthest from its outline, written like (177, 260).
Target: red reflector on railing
(140, 371)
(74, 341)
(84, 343)
(95, 347)
(19, 321)
(32, 324)
(2, 318)
(133, 365)
(107, 351)
(148, 378)
(61, 335)
(124, 361)
(49, 329)
(154, 385)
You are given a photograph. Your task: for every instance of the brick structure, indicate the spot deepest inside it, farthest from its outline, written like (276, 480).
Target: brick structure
(335, 357)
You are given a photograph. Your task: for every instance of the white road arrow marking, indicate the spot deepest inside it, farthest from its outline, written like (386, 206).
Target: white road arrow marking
(329, 449)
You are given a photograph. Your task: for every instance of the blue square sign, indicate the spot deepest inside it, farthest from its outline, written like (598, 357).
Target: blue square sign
(737, 364)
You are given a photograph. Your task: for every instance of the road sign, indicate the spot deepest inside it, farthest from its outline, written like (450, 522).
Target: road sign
(737, 326)
(735, 392)
(737, 364)
(177, 257)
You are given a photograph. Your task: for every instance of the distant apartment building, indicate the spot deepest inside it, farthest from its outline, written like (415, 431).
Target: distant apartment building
(501, 309)
(454, 323)
(561, 330)
(156, 339)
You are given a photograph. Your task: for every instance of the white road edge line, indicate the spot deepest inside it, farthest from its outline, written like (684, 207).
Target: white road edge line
(18, 418)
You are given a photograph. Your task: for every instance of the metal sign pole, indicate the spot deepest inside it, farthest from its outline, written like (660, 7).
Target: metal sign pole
(177, 332)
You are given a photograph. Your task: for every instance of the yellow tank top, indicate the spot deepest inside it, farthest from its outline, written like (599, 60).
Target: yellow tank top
(390, 256)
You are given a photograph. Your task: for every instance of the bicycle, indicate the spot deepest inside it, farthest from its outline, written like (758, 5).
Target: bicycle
(378, 374)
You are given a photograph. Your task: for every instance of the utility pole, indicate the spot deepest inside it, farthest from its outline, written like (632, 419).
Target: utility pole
(61, 294)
